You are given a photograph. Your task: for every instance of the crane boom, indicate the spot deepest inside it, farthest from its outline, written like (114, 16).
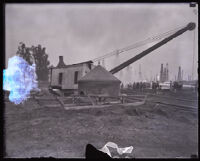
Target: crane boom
(190, 26)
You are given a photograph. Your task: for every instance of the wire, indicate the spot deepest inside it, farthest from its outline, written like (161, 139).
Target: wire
(138, 44)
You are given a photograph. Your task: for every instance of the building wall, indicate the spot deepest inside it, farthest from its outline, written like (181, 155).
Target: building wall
(68, 75)
(109, 88)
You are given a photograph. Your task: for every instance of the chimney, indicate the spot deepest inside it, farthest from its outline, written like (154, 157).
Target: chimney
(60, 59)
(61, 62)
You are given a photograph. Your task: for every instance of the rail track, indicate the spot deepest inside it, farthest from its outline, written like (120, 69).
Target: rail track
(180, 99)
(181, 104)
(179, 107)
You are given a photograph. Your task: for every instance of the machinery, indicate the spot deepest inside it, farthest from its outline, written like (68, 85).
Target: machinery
(165, 37)
(190, 26)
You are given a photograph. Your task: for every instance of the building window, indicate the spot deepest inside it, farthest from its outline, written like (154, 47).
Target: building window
(90, 66)
(60, 78)
(76, 77)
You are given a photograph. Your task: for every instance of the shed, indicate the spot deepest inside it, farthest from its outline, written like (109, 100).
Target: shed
(99, 81)
(66, 77)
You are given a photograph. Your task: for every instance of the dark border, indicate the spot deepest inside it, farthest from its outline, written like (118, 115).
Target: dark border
(100, 1)
(2, 108)
(2, 33)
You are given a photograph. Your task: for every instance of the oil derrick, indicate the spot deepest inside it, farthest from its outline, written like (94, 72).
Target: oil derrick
(179, 74)
(103, 63)
(164, 74)
(128, 70)
(167, 73)
(140, 73)
(151, 78)
(118, 62)
(161, 73)
(182, 74)
(189, 78)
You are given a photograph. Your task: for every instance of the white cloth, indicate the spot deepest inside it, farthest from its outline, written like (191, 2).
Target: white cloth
(119, 150)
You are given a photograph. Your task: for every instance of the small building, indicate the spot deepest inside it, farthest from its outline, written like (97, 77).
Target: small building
(99, 81)
(66, 77)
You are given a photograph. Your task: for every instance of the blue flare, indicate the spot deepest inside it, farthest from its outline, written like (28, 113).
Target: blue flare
(19, 78)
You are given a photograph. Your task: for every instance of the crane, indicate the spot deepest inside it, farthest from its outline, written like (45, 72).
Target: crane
(190, 26)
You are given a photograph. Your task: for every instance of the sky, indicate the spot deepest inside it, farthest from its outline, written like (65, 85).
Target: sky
(82, 32)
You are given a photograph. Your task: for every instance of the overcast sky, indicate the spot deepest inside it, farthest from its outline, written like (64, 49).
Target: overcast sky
(82, 32)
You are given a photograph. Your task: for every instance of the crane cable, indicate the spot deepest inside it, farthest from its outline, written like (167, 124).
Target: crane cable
(138, 44)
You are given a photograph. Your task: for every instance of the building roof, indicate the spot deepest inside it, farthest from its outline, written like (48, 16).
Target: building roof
(99, 74)
(61, 65)
(51, 67)
(66, 66)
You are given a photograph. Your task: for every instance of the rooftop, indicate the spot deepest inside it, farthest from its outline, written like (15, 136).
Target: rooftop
(99, 74)
(63, 65)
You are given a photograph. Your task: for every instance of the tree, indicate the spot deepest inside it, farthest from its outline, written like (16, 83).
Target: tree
(41, 61)
(25, 53)
(37, 55)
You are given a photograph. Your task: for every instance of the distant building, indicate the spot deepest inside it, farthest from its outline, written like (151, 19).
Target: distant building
(66, 76)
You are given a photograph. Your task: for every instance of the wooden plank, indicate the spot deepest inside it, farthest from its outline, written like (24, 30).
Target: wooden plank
(85, 107)
(45, 99)
(93, 103)
(102, 106)
(60, 101)
(54, 105)
(134, 103)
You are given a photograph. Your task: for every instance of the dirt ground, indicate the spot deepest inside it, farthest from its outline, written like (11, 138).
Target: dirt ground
(154, 130)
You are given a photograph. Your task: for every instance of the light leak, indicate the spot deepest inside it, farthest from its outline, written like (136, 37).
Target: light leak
(19, 78)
